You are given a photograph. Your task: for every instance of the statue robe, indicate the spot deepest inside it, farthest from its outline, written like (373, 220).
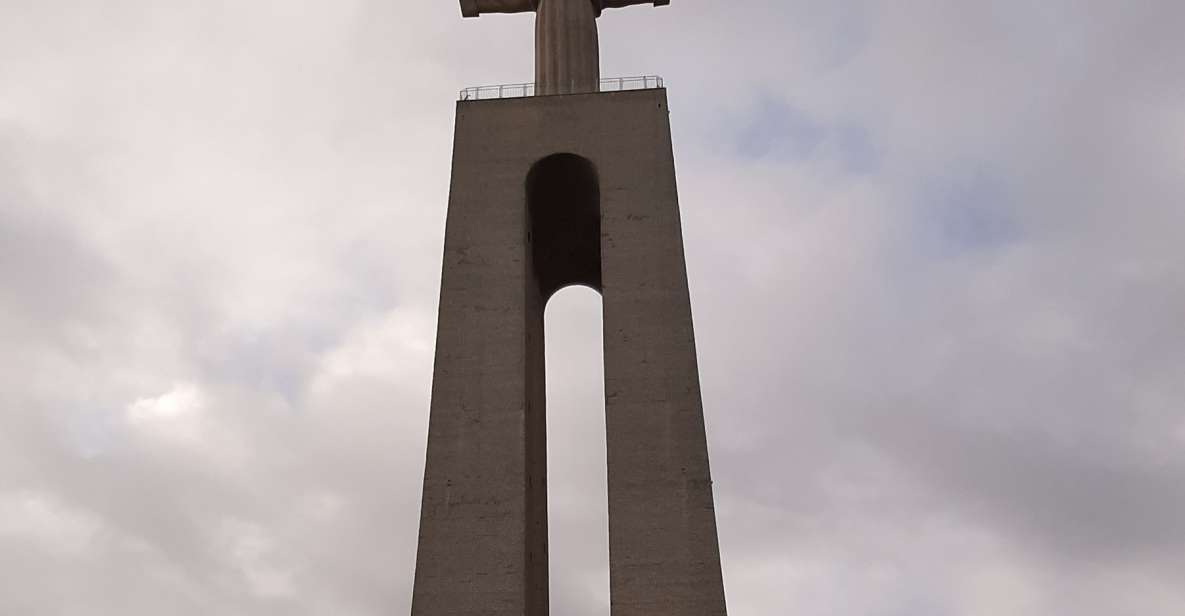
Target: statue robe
(567, 48)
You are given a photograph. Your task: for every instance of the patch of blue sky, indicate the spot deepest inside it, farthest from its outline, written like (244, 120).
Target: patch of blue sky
(279, 361)
(963, 213)
(856, 150)
(776, 130)
(848, 33)
(90, 433)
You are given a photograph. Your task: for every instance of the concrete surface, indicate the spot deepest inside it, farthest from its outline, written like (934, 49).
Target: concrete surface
(546, 192)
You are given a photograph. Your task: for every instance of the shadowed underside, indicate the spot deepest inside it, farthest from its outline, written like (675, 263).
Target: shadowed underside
(564, 205)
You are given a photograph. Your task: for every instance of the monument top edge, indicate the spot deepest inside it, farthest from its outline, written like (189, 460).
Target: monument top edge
(476, 8)
(529, 90)
(558, 98)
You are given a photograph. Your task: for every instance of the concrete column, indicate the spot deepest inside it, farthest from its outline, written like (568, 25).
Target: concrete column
(664, 554)
(483, 525)
(483, 529)
(567, 52)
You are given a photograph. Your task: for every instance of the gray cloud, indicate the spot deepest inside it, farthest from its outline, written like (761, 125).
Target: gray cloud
(935, 266)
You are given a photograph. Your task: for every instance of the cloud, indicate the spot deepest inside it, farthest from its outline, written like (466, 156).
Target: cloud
(935, 262)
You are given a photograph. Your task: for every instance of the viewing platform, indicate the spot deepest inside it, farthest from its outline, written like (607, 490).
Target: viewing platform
(524, 90)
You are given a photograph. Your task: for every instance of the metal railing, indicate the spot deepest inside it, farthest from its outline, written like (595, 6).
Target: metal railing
(523, 90)
(620, 84)
(509, 90)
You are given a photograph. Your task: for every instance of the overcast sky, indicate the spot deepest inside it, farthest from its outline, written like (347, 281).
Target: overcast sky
(937, 267)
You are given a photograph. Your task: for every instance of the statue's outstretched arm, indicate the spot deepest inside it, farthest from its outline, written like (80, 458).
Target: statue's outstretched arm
(474, 8)
(616, 4)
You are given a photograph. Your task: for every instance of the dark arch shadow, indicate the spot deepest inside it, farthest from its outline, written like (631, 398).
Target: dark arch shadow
(563, 233)
(564, 212)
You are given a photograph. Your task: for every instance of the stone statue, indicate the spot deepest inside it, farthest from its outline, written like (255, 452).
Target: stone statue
(567, 53)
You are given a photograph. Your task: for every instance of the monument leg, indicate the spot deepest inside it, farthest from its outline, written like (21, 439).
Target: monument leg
(483, 521)
(664, 554)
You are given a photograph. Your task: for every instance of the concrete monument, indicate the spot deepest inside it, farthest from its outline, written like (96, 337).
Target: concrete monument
(567, 52)
(547, 192)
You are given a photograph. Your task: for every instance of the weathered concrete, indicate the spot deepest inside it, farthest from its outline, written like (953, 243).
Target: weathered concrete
(523, 222)
(567, 48)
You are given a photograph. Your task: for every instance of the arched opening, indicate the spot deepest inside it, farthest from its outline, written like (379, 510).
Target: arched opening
(567, 454)
(564, 205)
(578, 492)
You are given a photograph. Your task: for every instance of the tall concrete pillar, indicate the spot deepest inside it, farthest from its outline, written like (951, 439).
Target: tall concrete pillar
(547, 192)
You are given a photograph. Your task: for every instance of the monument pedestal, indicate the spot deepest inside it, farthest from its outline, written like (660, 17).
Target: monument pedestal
(550, 191)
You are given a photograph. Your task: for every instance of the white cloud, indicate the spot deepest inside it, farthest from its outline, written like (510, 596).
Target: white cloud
(49, 523)
(936, 270)
(178, 404)
(396, 347)
(254, 554)
(175, 416)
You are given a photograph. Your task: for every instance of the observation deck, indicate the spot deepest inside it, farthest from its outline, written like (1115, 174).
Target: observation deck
(525, 90)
